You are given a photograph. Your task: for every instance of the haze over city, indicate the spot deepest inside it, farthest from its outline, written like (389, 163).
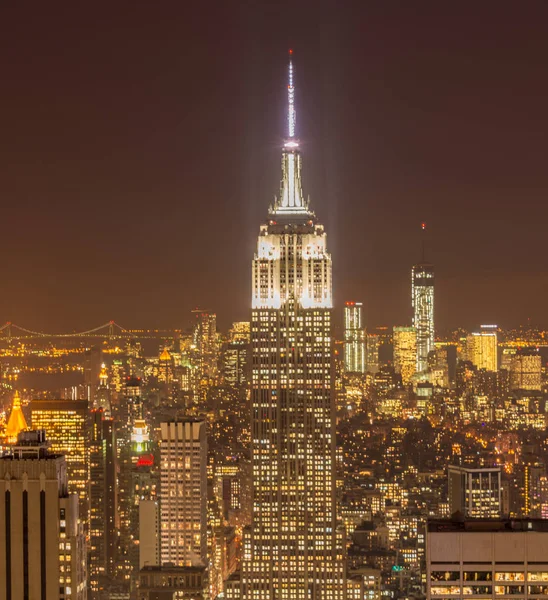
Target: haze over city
(140, 151)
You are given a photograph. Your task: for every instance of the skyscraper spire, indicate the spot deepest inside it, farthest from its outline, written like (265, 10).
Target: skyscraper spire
(291, 104)
(291, 200)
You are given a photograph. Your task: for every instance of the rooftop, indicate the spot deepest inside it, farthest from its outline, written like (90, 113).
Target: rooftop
(489, 525)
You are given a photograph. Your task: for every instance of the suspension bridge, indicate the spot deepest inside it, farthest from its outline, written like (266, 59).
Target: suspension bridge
(109, 330)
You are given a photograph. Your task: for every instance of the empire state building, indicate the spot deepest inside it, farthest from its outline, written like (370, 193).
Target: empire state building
(294, 549)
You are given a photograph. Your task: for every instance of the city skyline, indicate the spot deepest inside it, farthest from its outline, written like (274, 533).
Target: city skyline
(116, 168)
(368, 427)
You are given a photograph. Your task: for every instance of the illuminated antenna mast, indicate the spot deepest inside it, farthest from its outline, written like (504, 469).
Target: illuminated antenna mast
(291, 104)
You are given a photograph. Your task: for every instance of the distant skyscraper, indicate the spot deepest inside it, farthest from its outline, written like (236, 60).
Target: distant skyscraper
(372, 353)
(206, 342)
(482, 348)
(405, 352)
(475, 492)
(65, 423)
(526, 370)
(354, 338)
(236, 354)
(101, 397)
(42, 552)
(183, 492)
(422, 295)
(103, 502)
(294, 549)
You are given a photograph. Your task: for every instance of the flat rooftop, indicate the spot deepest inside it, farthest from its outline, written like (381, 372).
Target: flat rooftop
(489, 525)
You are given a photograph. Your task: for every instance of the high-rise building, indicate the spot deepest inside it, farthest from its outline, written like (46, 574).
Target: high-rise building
(140, 480)
(354, 338)
(422, 296)
(532, 473)
(103, 502)
(405, 352)
(101, 397)
(65, 423)
(206, 342)
(526, 370)
(475, 493)
(486, 558)
(372, 353)
(482, 348)
(183, 492)
(42, 549)
(294, 548)
(236, 354)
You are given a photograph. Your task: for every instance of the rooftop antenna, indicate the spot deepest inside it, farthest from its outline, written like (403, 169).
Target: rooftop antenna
(291, 115)
(423, 236)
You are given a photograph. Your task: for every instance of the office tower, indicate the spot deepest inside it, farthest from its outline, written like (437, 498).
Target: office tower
(533, 471)
(475, 492)
(422, 299)
(205, 342)
(92, 368)
(103, 502)
(482, 348)
(137, 478)
(486, 558)
(438, 367)
(405, 352)
(183, 493)
(142, 480)
(17, 422)
(165, 367)
(372, 353)
(101, 397)
(526, 370)
(65, 423)
(294, 548)
(42, 549)
(169, 582)
(354, 338)
(236, 354)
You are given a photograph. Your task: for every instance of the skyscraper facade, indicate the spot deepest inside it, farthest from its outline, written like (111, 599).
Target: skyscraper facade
(354, 338)
(65, 423)
(206, 342)
(294, 549)
(482, 349)
(42, 554)
(236, 354)
(183, 492)
(103, 502)
(475, 493)
(372, 353)
(526, 370)
(422, 297)
(405, 352)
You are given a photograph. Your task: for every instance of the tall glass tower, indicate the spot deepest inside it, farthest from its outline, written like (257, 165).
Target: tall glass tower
(354, 338)
(294, 549)
(422, 295)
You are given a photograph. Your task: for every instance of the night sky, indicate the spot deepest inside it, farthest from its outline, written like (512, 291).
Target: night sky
(140, 149)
